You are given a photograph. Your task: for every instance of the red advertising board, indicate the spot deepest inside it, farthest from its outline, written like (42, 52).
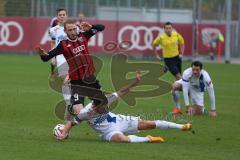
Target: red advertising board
(21, 34)
(206, 34)
(15, 34)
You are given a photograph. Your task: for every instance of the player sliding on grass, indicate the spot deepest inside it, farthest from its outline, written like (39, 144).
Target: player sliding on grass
(113, 127)
(195, 81)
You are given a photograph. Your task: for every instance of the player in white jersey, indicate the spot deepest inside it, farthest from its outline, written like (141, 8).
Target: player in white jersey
(57, 34)
(53, 23)
(195, 81)
(113, 127)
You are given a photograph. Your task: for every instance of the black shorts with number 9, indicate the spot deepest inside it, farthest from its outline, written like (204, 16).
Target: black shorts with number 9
(84, 88)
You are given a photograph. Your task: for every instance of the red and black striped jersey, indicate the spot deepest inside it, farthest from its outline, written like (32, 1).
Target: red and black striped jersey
(76, 53)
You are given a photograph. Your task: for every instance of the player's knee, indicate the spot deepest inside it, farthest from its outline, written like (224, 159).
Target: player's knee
(176, 86)
(178, 76)
(144, 125)
(119, 138)
(199, 110)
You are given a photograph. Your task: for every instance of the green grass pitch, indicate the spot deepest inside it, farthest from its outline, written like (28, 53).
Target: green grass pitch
(27, 119)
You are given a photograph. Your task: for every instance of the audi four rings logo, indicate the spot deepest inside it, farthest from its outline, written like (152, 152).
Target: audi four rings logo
(135, 36)
(5, 33)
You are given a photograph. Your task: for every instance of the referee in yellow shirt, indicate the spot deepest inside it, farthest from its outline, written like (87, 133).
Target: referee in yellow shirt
(172, 48)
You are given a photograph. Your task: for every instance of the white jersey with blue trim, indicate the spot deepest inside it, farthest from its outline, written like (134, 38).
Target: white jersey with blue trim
(102, 121)
(110, 123)
(198, 83)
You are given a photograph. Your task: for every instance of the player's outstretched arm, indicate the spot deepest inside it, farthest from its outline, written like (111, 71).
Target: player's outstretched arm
(65, 130)
(98, 27)
(129, 87)
(46, 56)
(42, 53)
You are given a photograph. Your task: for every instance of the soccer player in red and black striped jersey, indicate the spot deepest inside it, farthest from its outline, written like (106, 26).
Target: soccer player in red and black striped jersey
(81, 66)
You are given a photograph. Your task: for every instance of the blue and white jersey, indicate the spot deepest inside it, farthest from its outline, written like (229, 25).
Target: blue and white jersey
(102, 121)
(198, 83)
(109, 123)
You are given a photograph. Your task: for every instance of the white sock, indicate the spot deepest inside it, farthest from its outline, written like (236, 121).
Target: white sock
(167, 125)
(136, 139)
(176, 98)
(66, 94)
(112, 98)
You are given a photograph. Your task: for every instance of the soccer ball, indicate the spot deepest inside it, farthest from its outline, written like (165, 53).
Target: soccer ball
(58, 130)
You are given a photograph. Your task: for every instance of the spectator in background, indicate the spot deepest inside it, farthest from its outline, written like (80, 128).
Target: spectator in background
(214, 42)
(81, 17)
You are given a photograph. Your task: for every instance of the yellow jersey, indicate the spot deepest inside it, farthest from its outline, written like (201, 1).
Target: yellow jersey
(169, 44)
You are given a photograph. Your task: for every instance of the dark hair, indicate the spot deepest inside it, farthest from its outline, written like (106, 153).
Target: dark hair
(61, 9)
(167, 23)
(197, 64)
(69, 21)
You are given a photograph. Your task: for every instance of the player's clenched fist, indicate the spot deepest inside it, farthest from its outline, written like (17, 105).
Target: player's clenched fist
(40, 51)
(85, 26)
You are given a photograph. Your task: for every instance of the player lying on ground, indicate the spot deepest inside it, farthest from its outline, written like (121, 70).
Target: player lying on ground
(113, 127)
(195, 81)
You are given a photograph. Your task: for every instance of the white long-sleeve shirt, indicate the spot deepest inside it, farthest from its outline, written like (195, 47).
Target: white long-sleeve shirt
(201, 84)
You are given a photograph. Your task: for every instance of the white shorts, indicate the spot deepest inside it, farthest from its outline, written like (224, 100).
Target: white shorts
(123, 125)
(62, 66)
(111, 124)
(197, 97)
